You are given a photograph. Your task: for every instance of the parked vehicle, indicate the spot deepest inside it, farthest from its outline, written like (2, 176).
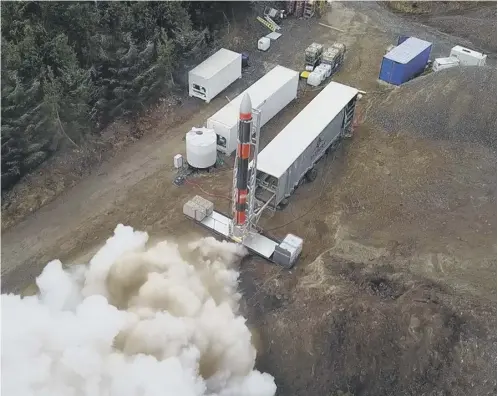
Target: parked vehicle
(291, 156)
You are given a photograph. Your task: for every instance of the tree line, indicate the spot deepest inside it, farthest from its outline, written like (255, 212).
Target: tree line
(70, 68)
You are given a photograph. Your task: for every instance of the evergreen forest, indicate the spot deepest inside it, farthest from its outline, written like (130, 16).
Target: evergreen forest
(70, 68)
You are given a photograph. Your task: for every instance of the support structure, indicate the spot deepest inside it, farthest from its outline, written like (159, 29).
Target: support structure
(244, 173)
(241, 227)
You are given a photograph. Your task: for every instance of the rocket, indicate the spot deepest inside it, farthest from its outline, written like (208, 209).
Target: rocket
(243, 152)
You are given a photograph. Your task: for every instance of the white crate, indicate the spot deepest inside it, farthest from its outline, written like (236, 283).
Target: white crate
(293, 244)
(178, 161)
(208, 206)
(194, 211)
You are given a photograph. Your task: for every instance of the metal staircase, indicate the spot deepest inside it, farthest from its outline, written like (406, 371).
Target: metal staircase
(309, 9)
(290, 7)
(348, 118)
(299, 9)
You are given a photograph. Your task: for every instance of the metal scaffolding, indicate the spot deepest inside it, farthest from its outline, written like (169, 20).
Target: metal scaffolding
(240, 232)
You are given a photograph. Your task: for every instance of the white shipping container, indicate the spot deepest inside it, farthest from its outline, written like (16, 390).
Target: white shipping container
(270, 94)
(468, 57)
(214, 74)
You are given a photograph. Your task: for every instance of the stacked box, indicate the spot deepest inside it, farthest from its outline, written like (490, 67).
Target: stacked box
(288, 251)
(194, 211)
(198, 208)
(208, 206)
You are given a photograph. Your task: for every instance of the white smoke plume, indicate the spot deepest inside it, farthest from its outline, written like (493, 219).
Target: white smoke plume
(135, 321)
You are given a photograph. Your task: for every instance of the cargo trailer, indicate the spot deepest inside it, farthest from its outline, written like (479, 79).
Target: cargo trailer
(270, 94)
(405, 61)
(214, 74)
(291, 156)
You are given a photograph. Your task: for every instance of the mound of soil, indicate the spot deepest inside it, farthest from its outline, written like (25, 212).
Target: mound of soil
(474, 21)
(457, 104)
(356, 329)
(478, 25)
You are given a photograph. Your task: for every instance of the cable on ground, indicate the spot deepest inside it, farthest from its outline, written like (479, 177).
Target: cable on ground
(204, 191)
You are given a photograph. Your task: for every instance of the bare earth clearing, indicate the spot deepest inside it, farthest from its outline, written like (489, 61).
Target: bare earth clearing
(395, 293)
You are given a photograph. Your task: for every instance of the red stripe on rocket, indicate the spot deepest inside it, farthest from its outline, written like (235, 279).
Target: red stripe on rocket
(243, 152)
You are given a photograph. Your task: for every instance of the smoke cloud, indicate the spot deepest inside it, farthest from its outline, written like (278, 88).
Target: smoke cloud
(135, 321)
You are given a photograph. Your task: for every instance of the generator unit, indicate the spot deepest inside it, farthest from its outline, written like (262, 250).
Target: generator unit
(270, 94)
(467, 57)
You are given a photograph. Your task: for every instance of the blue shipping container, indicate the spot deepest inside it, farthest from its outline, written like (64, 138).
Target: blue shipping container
(405, 61)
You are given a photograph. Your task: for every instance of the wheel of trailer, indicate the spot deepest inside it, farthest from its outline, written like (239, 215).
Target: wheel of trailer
(311, 175)
(283, 204)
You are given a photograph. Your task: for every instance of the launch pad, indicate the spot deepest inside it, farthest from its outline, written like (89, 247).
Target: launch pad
(242, 226)
(256, 243)
(201, 211)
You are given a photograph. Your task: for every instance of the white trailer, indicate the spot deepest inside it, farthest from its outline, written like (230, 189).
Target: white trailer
(270, 94)
(291, 156)
(467, 57)
(214, 74)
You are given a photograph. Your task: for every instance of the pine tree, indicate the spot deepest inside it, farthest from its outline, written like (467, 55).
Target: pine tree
(70, 68)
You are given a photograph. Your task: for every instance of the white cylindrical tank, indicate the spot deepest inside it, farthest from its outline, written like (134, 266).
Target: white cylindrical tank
(201, 147)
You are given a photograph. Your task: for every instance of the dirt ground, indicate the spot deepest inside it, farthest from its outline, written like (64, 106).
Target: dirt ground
(396, 288)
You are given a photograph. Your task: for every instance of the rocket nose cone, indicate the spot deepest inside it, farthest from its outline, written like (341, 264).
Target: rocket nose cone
(246, 105)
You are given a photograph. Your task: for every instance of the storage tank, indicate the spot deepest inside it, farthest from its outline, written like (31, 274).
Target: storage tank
(201, 148)
(270, 94)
